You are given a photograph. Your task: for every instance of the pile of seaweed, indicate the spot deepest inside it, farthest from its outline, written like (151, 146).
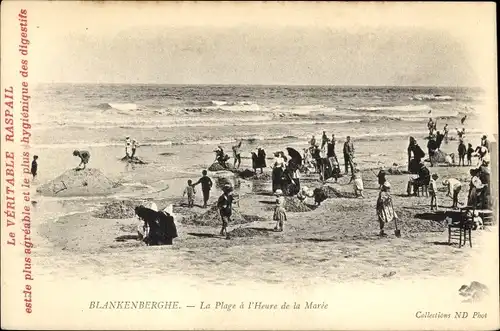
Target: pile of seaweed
(250, 174)
(119, 209)
(397, 171)
(248, 232)
(294, 205)
(332, 192)
(218, 167)
(247, 173)
(408, 223)
(212, 218)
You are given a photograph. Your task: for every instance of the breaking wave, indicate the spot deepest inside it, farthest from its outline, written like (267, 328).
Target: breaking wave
(431, 97)
(404, 108)
(118, 106)
(213, 122)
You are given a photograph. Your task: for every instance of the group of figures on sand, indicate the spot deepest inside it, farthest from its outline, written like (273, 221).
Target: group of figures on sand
(159, 228)
(324, 158)
(258, 157)
(479, 187)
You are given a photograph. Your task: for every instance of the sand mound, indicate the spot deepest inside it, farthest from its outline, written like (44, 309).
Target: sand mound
(264, 176)
(217, 167)
(212, 218)
(332, 192)
(409, 224)
(248, 232)
(222, 180)
(118, 209)
(249, 174)
(397, 171)
(79, 183)
(294, 205)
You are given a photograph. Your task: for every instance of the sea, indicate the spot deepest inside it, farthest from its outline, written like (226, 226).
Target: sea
(179, 126)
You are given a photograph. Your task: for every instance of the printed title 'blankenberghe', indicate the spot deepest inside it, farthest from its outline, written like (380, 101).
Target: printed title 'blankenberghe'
(134, 305)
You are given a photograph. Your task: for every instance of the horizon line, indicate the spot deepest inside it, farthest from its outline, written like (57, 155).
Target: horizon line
(263, 85)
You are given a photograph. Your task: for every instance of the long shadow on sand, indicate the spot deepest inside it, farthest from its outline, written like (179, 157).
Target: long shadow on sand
(320, 239)
(204, 235)
(439, 243)
(127, 237)
(437, 216)
(185, 205)
(261, 229)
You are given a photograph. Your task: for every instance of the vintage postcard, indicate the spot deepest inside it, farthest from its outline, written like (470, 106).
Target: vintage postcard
(249, 165)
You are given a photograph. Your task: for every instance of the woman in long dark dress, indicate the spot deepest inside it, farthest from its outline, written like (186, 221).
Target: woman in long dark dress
(162, 229)
(261, 159)
(277, 174)
(432, 146)
(418, 155)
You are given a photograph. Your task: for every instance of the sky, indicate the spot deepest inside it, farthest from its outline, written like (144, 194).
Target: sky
(258, 43)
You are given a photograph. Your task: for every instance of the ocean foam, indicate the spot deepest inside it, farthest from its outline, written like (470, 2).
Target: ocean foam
(123, 106)
(403, 108)
(431, 97)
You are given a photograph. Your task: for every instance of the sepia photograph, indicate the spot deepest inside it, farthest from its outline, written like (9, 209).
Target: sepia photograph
(249, 165)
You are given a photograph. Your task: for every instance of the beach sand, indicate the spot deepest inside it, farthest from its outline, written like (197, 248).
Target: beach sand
(336, 242)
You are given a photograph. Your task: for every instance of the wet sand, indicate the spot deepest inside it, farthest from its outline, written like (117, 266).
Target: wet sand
(336, 242)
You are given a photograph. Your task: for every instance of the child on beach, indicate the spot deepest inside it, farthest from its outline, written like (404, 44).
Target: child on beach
(34, 166)
(206, 186)
(358, 183)
(381, 178)
(385, 208)
(279, 211)
(462, 150)
(225, 206)
(84, 158)
(470, 151)
(433, 192)
(190, 192)
(454, 186)
(127, 146)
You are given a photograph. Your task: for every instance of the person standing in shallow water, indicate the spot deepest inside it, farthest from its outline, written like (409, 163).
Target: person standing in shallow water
(261, 159)
(462, 150)
(206, 186)
(237, 154)
(128, 144)
(348, 155)
(134, 146)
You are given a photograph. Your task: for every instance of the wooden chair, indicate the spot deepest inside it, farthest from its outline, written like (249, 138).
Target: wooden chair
(462, 229)
(487, 217)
